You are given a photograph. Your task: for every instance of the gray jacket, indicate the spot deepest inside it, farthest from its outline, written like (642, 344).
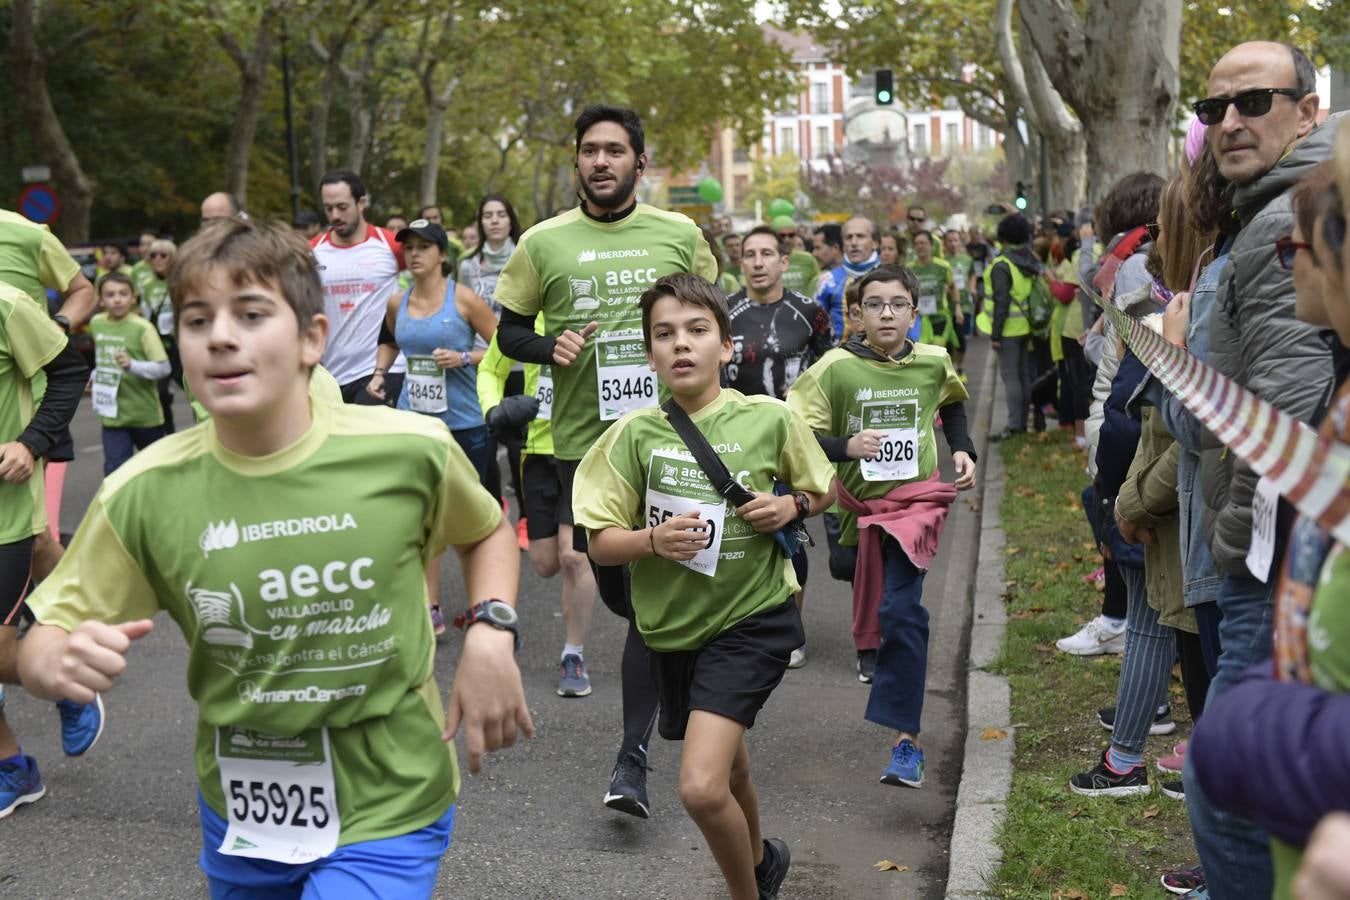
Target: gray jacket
(1256, 341)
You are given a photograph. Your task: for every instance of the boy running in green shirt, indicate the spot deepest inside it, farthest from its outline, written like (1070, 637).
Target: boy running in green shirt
(320, 738)
(711, 590)
(128, 361)
(939, 303)
(961, 262)
(872, 403)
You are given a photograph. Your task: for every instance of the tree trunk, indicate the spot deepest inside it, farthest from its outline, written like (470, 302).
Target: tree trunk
(319, 111)
(1118, 70)
(360, 108)
(253, 69)
(35, 105)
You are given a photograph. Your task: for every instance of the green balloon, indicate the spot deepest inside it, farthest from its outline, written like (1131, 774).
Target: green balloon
(781, 207)
(710, 189)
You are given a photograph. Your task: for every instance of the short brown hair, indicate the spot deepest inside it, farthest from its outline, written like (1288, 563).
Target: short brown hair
(117, 278)
(766, 231)
(690, 290)
(250, 252)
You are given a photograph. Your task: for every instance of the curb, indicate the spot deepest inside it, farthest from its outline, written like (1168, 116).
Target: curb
(986, 767)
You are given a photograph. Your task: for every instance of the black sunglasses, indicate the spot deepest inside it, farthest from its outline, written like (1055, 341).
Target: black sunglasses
(1250, 104)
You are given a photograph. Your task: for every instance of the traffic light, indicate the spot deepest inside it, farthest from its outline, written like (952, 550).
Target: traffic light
(1021, 200)
(885, 87)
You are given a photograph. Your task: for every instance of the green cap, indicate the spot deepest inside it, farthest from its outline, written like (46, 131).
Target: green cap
(783, 223)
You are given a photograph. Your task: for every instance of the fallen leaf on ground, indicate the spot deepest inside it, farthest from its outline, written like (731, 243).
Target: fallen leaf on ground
(1011, 550)
(1119, 890)
(887, 866)
(1075, 813)
(1043, 648)
(1071, 894)
(993, 734)
(1151, 812)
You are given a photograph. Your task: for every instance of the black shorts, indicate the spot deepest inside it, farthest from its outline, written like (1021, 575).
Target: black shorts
(16, 571)
(567, 473)
(732, 675)
(542, 501)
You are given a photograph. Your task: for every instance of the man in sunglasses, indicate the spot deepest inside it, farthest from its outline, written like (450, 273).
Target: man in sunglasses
(1261, 116)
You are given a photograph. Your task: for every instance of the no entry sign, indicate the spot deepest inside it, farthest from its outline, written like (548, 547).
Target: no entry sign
(39, 203)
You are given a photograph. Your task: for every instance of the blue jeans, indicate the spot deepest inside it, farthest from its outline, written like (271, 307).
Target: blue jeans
(896, 699)
(402, 866)
(477, 446)
(1235, 853)
(119, 444)
(1150, 648)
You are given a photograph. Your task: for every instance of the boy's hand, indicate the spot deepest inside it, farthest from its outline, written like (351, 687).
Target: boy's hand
(487, 697)
(864, 444)
(123, 360)
(567, 346)
(375, 386)
(965, 470)
(680, 538)
(16, 462)
(768, 512)
(88, 660)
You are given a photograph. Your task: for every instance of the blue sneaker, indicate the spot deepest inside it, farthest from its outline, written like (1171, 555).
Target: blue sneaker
(573, 680)
(906, 765)
(81, 725)
(20, 783)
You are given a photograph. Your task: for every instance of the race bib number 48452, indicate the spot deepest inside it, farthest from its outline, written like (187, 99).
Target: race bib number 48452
(425, 385)
(897, 458)
(623, 379)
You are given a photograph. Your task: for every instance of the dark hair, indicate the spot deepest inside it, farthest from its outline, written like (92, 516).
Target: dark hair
(117, 278)
(764, 230)
(1305, 76)
(832, 234)
(630, 121)
(690, 290)
(347, 177)
(116, 245)
(1014, 230)
(1207, 198)
(901, 274)
(924, 231)
(305, 218)
(422, 213)
(478, 221)
(1131, 202)
(247, 252)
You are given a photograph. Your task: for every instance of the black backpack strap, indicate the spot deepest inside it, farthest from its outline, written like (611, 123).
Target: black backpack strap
(707, 458)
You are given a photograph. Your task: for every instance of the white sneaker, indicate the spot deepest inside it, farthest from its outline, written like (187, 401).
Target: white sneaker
(1098, 636)
(798, 658)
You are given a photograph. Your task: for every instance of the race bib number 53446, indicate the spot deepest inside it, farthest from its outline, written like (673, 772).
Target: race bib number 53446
(624, 381)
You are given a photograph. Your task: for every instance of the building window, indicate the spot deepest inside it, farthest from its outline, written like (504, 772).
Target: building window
(920, 140)
(953, 138)
(820, 97)
(785, 142)
(824, 145)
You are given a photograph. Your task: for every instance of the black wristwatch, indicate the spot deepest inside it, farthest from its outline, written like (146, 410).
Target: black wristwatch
(803, 505)
(63, 322)
(492, 612)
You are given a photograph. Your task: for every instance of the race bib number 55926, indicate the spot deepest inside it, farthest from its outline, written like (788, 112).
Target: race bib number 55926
(897, 457)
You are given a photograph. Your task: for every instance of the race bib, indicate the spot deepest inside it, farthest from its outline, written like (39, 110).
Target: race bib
(897, 458)
(1265, 507)
(675, 486)
(927, 302)
(543, 392)
(622, 377)
(279, 796)
(425, 385)
(164, 320)
(106, 383)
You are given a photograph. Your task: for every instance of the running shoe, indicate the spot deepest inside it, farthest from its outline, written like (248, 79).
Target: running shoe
(798, 658)
(522, 535)
(20, 783)
(1172, 764)
(1162, 720)
(771, 871)
(1099, 636)
(867, 665)
(573, 680)
(906, 766)
(1101, 781)
(628, 785)
(437, 621)
(1174, 789)
(81, 725)
(1184, 881)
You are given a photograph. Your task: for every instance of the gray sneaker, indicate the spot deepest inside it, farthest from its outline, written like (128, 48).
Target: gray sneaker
(573, 680)
(771, 871)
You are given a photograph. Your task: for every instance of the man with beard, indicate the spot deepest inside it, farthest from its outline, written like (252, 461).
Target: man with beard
(585, 271)
(358, 265)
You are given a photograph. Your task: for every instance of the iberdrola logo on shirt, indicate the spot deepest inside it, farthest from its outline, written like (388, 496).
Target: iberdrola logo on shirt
(223, 535)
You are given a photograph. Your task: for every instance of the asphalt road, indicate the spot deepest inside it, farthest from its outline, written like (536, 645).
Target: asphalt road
(121, 822)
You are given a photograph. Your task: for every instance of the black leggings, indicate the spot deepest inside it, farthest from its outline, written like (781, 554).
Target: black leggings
(16, 573)
(1194, 675)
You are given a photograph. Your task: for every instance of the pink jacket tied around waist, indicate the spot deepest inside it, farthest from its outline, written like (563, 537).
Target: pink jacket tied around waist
(913, 514)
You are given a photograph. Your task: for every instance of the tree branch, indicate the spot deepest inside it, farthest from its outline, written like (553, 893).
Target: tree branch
(1059, 36)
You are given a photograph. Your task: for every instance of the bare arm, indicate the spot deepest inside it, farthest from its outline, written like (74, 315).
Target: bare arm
(78, 302)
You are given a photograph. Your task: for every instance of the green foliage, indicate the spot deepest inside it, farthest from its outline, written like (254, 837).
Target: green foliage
(774, 176)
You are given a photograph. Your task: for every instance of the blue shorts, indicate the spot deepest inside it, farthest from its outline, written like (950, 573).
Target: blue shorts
(403, 866)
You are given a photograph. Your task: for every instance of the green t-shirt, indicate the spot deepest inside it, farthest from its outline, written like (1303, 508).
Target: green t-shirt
(576, 270)
(298, 582)
(932, 299)
(136, 400)
(33, 259)
(640, 472)
(141, 276)
(843, 394)
(28, 341)
(802, 273)
(961, 264)
(156, 306)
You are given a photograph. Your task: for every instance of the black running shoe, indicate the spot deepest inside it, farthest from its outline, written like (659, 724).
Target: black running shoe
(771, 871)
(628, 785)
(1174, 789)
(1162, 720)
(867, 665)
(1102, 782)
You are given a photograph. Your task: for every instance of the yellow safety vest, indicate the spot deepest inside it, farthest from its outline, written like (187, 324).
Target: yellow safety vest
(1016, 325)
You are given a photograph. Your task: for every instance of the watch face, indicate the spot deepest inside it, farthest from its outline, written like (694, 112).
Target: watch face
(501, 613)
